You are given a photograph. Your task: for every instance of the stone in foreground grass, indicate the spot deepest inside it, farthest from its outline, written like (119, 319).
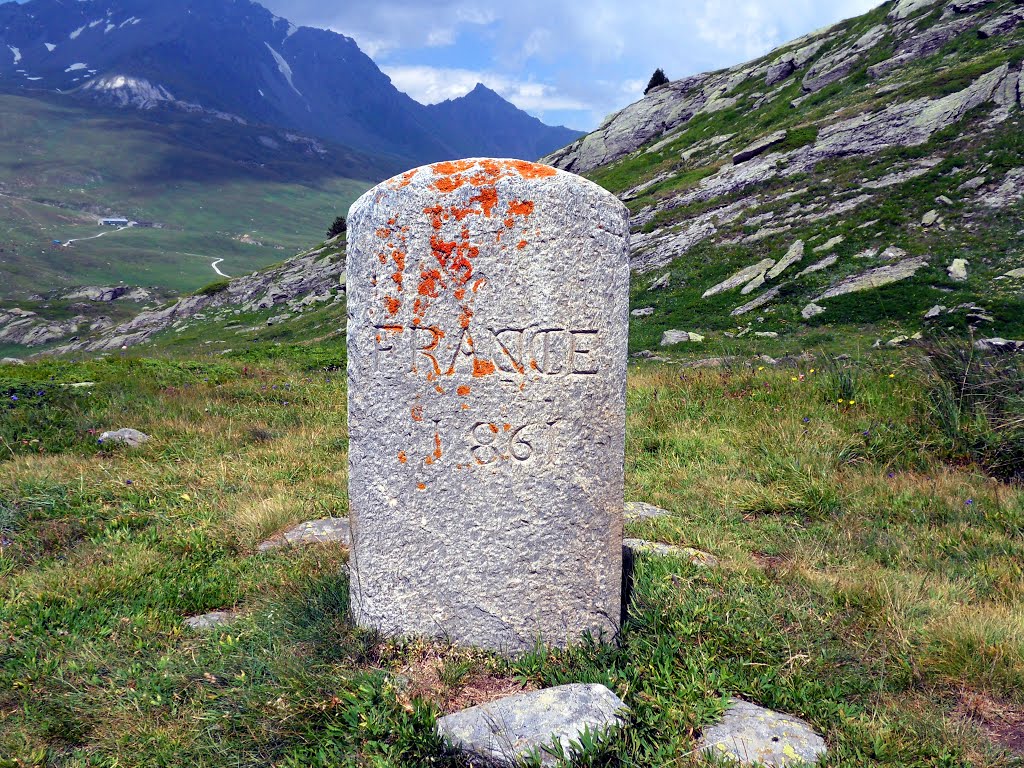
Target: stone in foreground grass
(210, 620)
(328, 530)
(514, 727)
(695, 556)
(749, 734)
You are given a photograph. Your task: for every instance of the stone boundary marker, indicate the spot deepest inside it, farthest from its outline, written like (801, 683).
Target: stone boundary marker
(488, 320)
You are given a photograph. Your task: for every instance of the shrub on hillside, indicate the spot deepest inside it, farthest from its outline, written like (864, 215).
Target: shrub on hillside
(216, 286)
(977, 401)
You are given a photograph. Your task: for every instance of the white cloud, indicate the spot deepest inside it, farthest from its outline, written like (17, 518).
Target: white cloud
(430, 85)
(572, 57)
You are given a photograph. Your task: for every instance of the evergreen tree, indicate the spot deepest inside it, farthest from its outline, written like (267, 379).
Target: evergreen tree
(658, 78)
(339, 226)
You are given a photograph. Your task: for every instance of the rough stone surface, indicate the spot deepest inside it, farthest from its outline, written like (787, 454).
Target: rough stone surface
(640, 510)
(512, 728)
(328, 530)
(210, 620)
(825, 263)
(740, 278)
(1016, 274)
(670, 337)
(757, 303)
(875, 278)
(759, 147)
(12, 361)
(811, 310)
(695, 556)
(793, 255)
(488, 316)
(958, 269)
(998, 344)
(906, 8)
(750, 735)
(130, 437)
(643, 312)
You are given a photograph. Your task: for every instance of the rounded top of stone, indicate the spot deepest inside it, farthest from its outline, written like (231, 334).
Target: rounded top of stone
(478, 173)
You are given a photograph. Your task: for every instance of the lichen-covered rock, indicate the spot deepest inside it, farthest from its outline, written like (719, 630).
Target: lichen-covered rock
(488, 300)
(753, 735)
(132, 438)
(906, 8)
(875, 278)
(210, 620)
(694, 556)
(793, 255)
(958, 269)
(510, 729)
(640, 510)
(670, 337)
(740, 278)
(811, 310)
(759, 147)
(330, 530)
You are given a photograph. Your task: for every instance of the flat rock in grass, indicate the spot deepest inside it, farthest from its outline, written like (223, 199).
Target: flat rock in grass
(210, 620)
(753, 735)
(507, 730)
(12, 361)
(640, 510)
(670, 337)
(130, 437)
(695, 556)
(328, 530)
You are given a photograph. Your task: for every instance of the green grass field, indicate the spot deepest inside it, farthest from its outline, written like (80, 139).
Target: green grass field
(209, 182)
(870, 577)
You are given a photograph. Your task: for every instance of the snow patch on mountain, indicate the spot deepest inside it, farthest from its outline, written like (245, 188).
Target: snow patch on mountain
(283, 68)
(16, 52)
(50, 47)
(74, 35)
(126, 91)
(76, 67)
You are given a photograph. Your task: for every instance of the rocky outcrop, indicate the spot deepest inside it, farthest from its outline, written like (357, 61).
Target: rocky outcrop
(304, 281)
(838, 65)
(112, 293)
(745, 275)
(875, 278)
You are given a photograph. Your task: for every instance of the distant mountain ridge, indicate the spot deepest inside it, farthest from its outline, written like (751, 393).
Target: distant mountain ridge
(235, 60)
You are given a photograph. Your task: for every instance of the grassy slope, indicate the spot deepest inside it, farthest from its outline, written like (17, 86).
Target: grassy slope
(210, 182)
(991, 240)
(866, 584)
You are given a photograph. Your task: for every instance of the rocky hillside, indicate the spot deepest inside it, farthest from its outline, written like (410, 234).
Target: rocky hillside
(303, 296)
(869, 175)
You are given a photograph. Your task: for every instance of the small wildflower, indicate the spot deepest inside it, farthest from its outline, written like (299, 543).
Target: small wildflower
(760, 367)
(14, 398)
(793, 378)
(892, 475)
(128, 482)
(892, 375)
(840, 401)
(969, 503)
(807, 419)
(812, 370)
(867, 433)
(853, 402)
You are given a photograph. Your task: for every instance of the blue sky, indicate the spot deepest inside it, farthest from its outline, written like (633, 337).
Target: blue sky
(568, 62)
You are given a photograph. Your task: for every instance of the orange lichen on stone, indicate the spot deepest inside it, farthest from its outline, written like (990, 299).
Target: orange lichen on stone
(465, 317)
(488, 198)
(404, 180)
(531, 170)
(402, 458)
(507, 427)
(439, 389)
(479, 284)
(482, 368)
(493, 428)
(463, 390)
(392, 305)
(417, 413)
(437, 447)
(421, 486)
(383, 233)
(521, 244)
(517, 208)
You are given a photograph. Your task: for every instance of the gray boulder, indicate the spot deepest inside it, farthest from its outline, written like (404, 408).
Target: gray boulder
(328, 530)
(129, 437)
(210, 620)
(958, 270)
(749, 735)
(759, 147)
(642, 312)
(793, 255)
(695, 556)
(740, 278)
(640, 510)
(811, 310)
(668, 338)
(12, 361)
(875, 278)
(507, 730)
